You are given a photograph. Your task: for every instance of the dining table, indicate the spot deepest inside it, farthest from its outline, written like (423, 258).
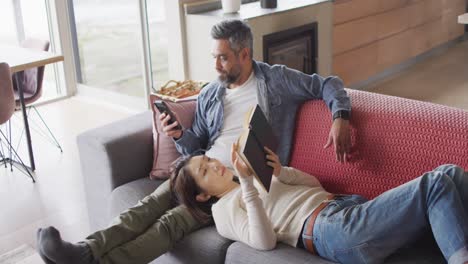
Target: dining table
(20, 59)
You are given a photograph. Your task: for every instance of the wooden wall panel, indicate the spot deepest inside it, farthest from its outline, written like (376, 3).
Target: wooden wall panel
(392, 22)
(424, 12)
(420, 42)
(436, 34)
(370, 38)
(433, 9)
(454, 5)
(451, 28)
(416, 14)
(386, 5)
(393, 50)
(354, 34)
(356, 65)
(346, 10)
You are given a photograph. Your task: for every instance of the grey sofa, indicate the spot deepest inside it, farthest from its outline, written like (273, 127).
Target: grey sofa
(115, 162)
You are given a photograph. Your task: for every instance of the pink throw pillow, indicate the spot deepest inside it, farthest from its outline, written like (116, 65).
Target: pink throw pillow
(165, 152)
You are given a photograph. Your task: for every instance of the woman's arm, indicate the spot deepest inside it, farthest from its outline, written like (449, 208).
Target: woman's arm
(289, 175)
(258, 233)
(256, 229)
(293, 176)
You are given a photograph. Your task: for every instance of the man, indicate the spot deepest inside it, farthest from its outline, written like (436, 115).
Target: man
(242, 84)
(153, 226)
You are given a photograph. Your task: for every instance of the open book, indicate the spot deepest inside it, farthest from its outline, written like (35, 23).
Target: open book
(257, 134)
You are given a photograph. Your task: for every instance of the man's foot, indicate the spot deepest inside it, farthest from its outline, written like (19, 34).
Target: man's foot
(53, 249)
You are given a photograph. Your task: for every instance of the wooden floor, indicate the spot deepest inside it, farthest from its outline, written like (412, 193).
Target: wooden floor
(57, 198)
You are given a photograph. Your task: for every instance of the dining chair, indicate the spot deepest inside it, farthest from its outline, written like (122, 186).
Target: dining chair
(31, 81)
(7, 108)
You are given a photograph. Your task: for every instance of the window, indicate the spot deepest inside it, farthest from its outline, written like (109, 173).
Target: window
(7, 20)
(108, 41)
(158, 33)
(22, 19)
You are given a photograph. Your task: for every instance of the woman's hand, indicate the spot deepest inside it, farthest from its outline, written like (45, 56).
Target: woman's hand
(273, 161)
(238, 164)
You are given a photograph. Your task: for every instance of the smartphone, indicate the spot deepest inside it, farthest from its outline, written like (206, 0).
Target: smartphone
(163, 108)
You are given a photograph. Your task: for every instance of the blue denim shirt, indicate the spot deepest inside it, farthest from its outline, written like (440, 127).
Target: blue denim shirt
(280, 92)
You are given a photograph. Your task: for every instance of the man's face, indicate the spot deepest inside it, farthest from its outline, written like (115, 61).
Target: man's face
(227, 62)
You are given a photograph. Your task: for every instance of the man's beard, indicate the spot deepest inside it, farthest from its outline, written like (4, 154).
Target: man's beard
(229, 78)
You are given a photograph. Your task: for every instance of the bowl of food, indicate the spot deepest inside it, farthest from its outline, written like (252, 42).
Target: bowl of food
(179, 90)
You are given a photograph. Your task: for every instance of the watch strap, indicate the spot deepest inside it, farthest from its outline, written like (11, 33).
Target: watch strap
(343, 114)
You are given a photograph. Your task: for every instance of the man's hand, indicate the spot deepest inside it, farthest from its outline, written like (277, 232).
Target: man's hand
(169, 129)
(273, 161)
(341, 138)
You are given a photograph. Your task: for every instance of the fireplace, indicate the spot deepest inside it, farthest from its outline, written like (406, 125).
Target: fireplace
(295, 48)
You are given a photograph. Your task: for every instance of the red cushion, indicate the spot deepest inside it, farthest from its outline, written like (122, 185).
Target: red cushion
(165, 151)
(394, 141)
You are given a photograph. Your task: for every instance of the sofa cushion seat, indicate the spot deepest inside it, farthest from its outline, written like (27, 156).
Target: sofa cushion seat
(128, 195)
(417, 255)
(202, 246)
(424, 251)
(239, 253)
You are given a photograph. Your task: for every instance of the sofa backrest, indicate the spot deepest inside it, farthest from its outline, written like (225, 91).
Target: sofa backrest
(394, 140)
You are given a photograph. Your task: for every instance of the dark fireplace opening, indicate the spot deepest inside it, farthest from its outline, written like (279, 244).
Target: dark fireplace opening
(295, 48)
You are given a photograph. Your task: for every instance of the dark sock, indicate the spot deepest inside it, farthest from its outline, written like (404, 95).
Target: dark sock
(62, 252)
(43, 257)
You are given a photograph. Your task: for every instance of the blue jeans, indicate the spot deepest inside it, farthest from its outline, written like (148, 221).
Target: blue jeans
(353, 230)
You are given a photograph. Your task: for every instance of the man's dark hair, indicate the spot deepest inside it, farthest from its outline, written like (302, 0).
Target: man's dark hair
(237, 32)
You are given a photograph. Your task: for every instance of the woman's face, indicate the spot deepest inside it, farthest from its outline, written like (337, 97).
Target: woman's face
(210, 175)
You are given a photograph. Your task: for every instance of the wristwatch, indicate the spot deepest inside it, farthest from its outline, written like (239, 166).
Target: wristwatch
(343, 114)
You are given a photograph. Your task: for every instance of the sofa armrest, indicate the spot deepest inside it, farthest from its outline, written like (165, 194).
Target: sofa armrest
(111, 156)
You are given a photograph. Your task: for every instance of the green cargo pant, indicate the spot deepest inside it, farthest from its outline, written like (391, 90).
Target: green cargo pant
(144, 232)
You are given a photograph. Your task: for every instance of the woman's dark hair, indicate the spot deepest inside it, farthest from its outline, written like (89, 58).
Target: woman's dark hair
(237, 32)
(184, 190)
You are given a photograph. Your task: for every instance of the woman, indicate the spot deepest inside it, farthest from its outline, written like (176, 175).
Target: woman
(349, 229)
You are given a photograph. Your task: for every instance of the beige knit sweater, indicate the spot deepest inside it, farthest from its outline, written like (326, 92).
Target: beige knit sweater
(260, 219)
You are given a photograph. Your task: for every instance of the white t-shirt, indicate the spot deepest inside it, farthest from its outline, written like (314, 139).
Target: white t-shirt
(236, 104)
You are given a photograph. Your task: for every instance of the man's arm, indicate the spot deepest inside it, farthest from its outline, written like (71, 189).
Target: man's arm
(196, 137)
(192, 139)
(302, 87)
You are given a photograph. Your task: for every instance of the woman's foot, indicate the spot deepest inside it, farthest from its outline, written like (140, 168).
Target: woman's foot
(53, 249)
(43, 257)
